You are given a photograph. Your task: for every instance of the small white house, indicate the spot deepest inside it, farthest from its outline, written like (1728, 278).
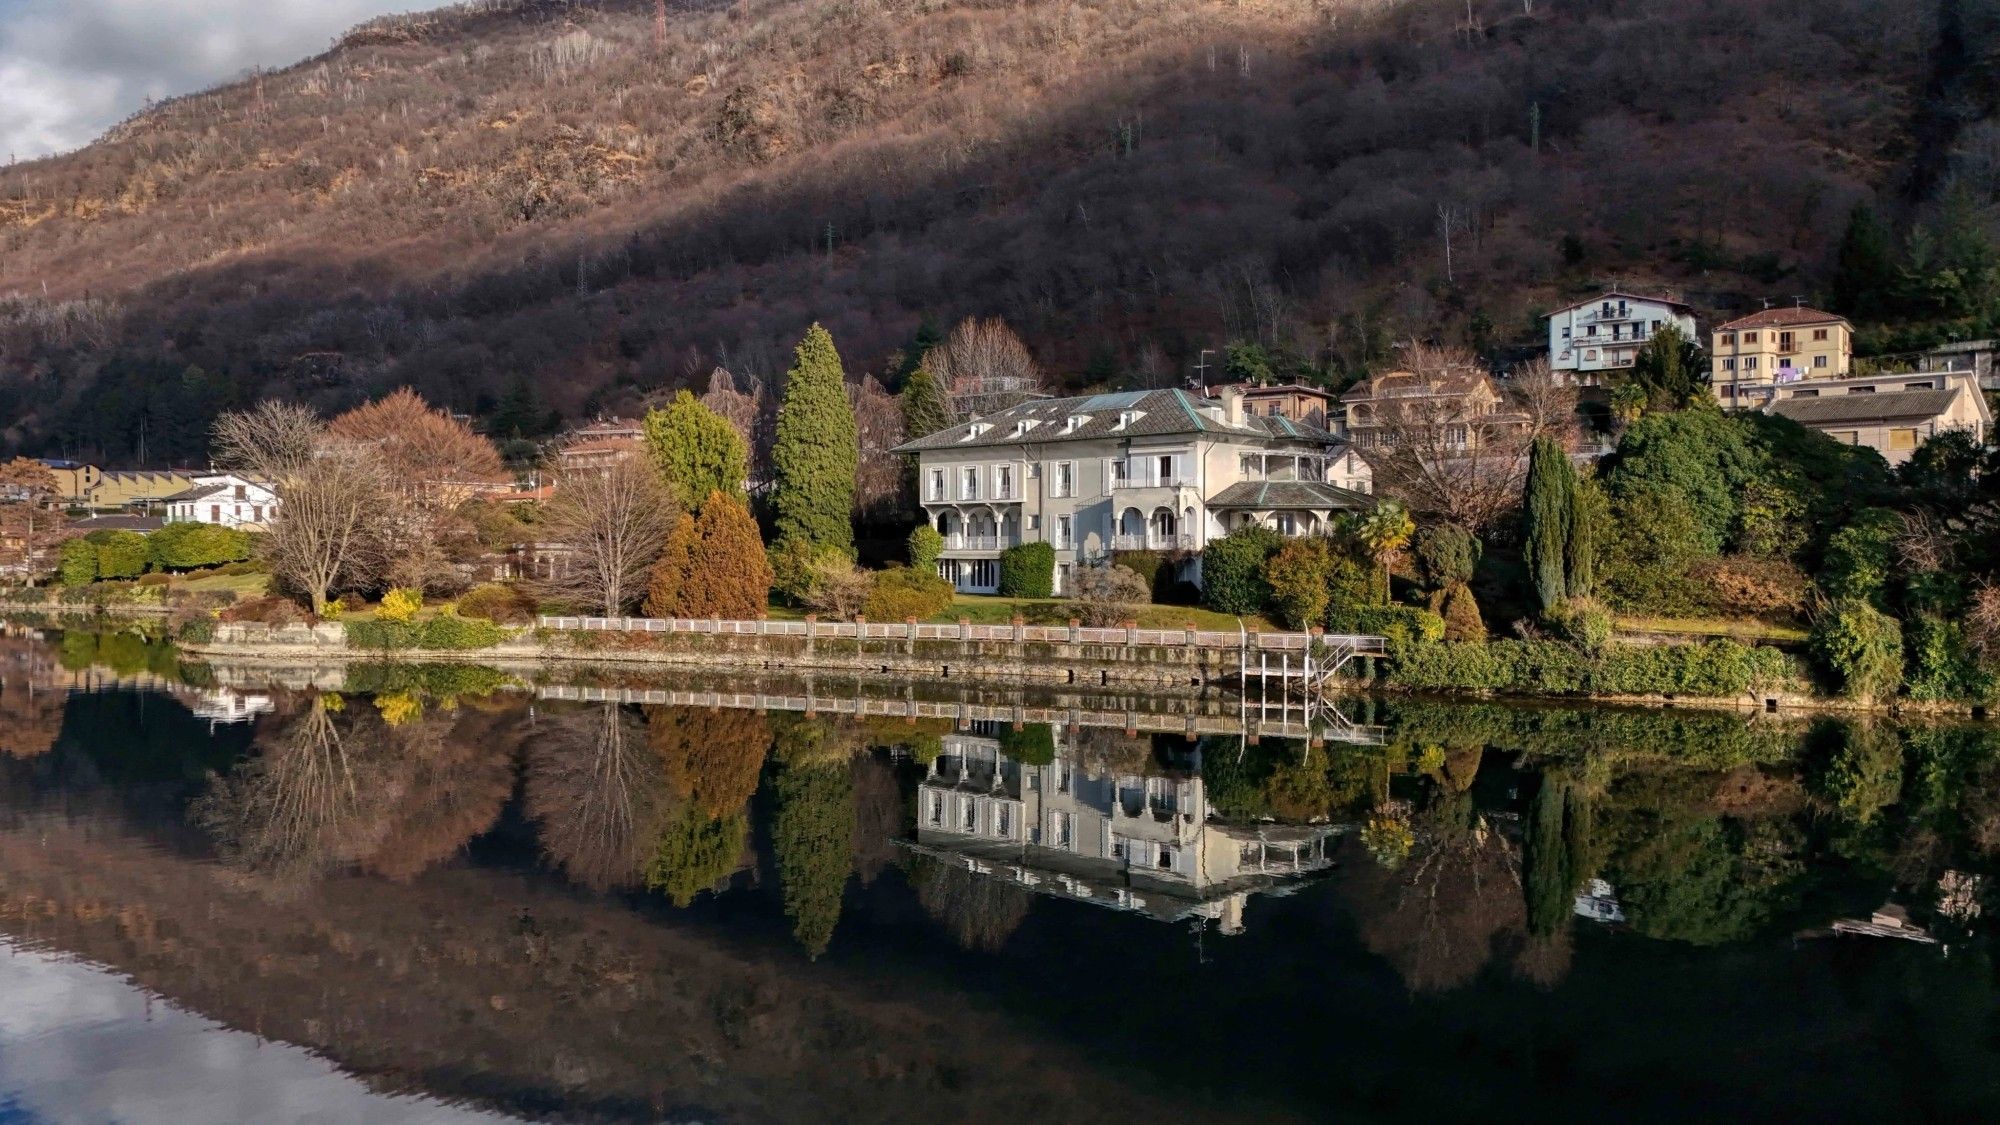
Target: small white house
(225, 499)
(1605, 333)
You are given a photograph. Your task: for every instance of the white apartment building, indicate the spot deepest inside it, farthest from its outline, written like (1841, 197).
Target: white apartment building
(1606, 332)
(1145, 844)
(225, 499)
(1143, 470)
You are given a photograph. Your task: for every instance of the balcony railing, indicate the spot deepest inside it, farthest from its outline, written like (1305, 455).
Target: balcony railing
(978, 542)
(1152, 482)
(1152, 542)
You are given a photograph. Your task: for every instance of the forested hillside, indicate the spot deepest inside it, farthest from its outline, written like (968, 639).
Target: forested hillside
(531, 207)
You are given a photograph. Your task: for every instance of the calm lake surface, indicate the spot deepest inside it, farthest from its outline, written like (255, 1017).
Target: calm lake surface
(445, 894)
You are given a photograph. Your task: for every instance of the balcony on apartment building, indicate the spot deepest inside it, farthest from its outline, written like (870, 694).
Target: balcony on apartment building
(1154, 541)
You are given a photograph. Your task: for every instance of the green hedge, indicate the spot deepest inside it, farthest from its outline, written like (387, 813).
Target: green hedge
(445, 631)
(1406, 627)
(1028, 571)
(1714, 669)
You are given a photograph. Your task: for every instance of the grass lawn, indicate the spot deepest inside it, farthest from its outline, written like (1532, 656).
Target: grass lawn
(243, 585)
(1734, 628)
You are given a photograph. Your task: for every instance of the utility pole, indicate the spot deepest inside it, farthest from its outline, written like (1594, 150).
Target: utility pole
(1201, 368)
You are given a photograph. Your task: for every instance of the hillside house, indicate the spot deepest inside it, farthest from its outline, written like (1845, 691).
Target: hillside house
(1314, 406)
(225, 499)
(1454, 409)
(600, 445)
(1891, 414)
(1140, 471)
(1606, 332)
(1751, 355)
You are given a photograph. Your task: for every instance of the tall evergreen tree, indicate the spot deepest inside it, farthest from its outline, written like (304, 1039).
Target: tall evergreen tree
(697, 452)
(1589, 514)
(1551, 488)
(1669, 367)
(1864, 279)
(925, 410)
(817, 450)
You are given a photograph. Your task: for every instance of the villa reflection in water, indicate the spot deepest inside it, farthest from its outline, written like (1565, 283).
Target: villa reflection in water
(1149, 844)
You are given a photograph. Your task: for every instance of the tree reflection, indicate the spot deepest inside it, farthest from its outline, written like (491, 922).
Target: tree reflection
(310, 801)
(597, 795)
(461, 773)
(32, 697)
(812, 827)
(711, 760)
(979, 913)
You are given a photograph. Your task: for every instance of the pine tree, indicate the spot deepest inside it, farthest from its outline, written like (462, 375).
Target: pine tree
(1669, 367)
(925, 410)
(1551, 485)
(1864, 279)
(714, 565)
(697, 451)
(817, 450)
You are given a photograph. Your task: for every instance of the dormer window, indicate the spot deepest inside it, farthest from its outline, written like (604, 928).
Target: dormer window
(1022, 427)
(973, 431)
(1127, 417)
(1075, 422)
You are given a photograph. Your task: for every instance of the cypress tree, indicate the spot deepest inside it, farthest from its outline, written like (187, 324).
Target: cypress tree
(697, 452)
(1588, 515)
(812, 832)
(1551, 487)
(817, 450)
(925, 410)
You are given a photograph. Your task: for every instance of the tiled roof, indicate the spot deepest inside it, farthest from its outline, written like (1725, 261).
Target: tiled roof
(118, 523)
(1160, 413)
(1277, 495)
(1864, 408)
(1781, 318)
(199, 492)
(1408, 384)
(1617, 293)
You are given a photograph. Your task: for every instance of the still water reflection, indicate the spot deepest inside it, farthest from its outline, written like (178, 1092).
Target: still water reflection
(437, 891)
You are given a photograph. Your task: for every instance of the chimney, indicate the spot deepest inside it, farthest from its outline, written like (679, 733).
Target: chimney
(1232, 405)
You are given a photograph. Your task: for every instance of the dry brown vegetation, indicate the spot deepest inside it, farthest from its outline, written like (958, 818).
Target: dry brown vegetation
(553, 194)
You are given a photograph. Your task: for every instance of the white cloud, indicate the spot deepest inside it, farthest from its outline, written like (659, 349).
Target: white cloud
(69, 69)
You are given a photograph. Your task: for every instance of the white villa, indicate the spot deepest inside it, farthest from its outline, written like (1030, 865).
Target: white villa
(1123, 842)
(1606, 332)
(225, 499)
(1144, 470)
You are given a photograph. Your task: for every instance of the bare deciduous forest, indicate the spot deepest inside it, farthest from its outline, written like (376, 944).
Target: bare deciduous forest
(538, 208)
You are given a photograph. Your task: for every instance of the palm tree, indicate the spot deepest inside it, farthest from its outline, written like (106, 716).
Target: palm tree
(1385, 532)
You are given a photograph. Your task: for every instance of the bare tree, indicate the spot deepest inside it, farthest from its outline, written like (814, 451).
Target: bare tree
(983, 367)
(881, 479)
(610, 526)
(1548, 402)
(1442, 438)
(270, 441)
(435, 458)
(599, 795)
(329, 530)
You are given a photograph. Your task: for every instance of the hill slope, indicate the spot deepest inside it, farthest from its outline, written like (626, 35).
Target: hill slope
(567, 201)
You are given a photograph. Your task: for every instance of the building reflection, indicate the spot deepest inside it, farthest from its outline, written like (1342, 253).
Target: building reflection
(1148, 843)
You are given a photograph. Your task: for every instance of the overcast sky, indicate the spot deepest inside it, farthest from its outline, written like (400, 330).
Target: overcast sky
(69, 69)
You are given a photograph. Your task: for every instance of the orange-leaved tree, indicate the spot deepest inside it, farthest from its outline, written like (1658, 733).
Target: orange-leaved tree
(714, 565)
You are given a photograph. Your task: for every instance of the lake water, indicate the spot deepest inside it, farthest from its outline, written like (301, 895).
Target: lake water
(445, 894)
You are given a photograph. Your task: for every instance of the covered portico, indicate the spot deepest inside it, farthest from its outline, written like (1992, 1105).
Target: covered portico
(1292, 508)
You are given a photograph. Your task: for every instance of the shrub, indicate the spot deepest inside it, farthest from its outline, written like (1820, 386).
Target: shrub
(714, 565)
(195, 630)
(351, 602)
(926, 546)
(155, 579)
(1940, 665)
(1232, 570)
(1446, 555)
(1859, 556)
(1860, 647)
(1299, 576)
(1028, 570)
(1108, 595)
(840, 589)
(185, 546)
(795, 568)
(1152, 569)
(77, 563)
(1744, 584)
(445, 631)
(1462, 619)
(1716, 669)
(120, 554)
(401, 604)
(501, 604)
(902, 592)
(1580, 621)
(1406, 628)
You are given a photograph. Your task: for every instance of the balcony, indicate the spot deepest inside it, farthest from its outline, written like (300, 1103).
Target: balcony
(979, 542)
(1152, 482)
(1153, 542)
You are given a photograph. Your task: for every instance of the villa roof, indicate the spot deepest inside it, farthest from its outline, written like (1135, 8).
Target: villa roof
(1781, 318)
(1288, 495)
(1864, 408)
(198, 492)
(1160, 413)
(1614, 294)
(118, 523)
